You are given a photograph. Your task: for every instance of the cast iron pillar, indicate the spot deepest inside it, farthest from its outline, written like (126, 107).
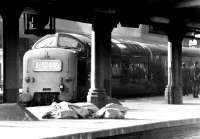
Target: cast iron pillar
(10, 55)
(107, 65)
(101, 41)
(173, 91)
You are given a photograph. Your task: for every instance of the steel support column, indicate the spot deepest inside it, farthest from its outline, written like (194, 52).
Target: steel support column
(10, 56)
(100, 59)
(107, 65)
(173, 91)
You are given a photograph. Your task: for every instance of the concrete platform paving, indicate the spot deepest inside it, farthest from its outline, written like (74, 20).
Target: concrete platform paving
(144, 114)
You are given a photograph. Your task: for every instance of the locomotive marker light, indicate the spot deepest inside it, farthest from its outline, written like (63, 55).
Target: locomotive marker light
(62, 88)
(28, 79)
(25, 97)
(33, 80)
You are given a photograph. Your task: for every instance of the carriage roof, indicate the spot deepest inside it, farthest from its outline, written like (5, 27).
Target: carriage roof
(118, 46)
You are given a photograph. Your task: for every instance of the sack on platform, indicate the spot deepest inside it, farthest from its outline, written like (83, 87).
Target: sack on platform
(66, 110)
(92, 109)
(60, 111)
(80, 111)
(117, 106)
(112, 111)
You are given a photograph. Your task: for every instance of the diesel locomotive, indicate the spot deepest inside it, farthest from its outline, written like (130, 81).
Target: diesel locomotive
(50, 69)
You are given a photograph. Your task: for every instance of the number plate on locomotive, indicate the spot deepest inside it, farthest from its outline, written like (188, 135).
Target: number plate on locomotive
(48, 65)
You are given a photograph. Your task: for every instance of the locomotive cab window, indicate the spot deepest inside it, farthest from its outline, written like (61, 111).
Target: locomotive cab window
(68, 42)
(47, 42)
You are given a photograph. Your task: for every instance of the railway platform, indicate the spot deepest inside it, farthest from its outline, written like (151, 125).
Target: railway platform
(147, 118)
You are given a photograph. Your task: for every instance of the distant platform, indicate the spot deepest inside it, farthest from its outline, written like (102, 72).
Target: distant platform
(147, 118)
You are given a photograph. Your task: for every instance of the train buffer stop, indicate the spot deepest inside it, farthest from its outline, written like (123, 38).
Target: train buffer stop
(146, 118)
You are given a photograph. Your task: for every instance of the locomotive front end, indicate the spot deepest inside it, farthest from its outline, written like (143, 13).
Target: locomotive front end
(49, 75)
(50, 71)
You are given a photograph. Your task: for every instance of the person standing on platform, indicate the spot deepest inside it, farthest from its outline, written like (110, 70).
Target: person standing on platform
(186, 79)
(195, 70)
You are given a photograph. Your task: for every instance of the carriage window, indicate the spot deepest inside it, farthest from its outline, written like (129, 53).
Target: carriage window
(67, 42)
(48, 42)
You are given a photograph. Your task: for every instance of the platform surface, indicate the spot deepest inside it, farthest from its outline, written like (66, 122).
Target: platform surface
(143, 114)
